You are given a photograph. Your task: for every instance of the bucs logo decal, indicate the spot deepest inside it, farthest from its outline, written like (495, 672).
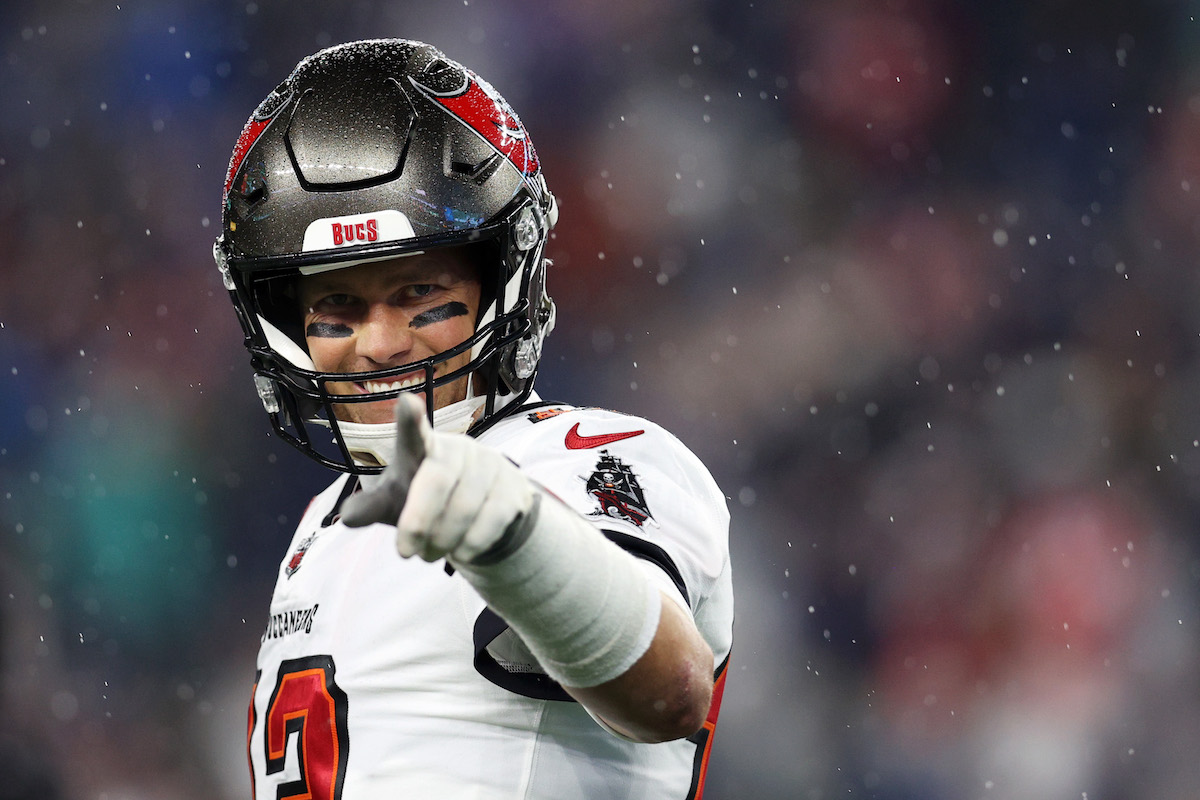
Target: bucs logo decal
(616, 489)
(482, 108)
(298, 556)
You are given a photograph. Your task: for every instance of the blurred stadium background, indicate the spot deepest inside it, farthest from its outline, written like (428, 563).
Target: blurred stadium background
(915, 278)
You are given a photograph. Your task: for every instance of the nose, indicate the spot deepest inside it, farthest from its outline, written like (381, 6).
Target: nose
(383, 336)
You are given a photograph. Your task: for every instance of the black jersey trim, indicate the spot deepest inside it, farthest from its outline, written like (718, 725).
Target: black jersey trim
(489, 625)
(348, 489)
(652, 553)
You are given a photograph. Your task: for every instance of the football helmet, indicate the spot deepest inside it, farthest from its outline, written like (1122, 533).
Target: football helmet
(369, 151)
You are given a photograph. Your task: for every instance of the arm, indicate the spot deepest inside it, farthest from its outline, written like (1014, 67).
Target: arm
(666, 694)
(584, 607)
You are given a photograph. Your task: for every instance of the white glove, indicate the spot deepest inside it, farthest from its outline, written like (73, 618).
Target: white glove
(447, 494)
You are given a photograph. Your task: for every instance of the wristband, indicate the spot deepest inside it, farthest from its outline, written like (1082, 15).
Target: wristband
(580, 603)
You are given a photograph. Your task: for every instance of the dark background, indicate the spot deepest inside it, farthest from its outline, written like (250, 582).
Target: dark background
(916, 279)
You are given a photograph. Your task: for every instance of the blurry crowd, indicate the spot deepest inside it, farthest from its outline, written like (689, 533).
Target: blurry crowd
(915, 278)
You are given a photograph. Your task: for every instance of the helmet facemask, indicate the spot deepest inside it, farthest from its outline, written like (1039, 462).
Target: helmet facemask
(514, 317)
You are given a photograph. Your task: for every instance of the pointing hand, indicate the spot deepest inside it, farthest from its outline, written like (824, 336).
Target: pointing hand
(447, 494)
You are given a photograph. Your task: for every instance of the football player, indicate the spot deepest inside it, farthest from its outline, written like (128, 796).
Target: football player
(383, 233)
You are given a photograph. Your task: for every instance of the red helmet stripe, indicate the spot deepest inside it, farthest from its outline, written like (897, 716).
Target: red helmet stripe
(250, 134)
(490, 116)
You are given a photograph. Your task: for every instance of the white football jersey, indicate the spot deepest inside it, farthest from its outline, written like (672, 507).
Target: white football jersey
(385, 677)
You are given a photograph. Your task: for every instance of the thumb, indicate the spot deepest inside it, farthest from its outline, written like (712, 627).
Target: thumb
(365, 507)
(384, 502)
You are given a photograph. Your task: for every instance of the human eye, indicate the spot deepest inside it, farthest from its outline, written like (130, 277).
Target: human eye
(335, 301)
(418, 291)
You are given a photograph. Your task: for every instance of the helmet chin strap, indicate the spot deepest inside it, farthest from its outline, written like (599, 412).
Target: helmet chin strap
(375, 443)
(457, 417)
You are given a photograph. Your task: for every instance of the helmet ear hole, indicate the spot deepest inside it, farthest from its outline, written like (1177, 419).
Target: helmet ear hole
(520, 361)
(490, 266)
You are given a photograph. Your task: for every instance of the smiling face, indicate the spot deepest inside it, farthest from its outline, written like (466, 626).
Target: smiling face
(387, 314)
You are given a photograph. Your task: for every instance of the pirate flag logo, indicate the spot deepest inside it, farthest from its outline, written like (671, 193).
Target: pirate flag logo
(616, 488)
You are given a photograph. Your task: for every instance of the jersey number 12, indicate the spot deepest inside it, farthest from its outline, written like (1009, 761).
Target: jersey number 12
(306, 702)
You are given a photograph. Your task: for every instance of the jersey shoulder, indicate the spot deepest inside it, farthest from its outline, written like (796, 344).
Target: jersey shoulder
(568, 427)
(623, 462)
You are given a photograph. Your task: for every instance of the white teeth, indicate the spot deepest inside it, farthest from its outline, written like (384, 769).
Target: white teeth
(387, 386)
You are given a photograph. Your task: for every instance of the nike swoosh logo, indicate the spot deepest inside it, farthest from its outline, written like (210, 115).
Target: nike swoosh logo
(576, 442)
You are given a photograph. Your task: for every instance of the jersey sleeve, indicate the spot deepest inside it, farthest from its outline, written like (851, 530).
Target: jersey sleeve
(646, 492)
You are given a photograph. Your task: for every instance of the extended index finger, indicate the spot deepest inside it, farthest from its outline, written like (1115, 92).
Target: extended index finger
(411, 431)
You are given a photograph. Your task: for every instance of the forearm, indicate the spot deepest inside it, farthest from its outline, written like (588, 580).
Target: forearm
(666, 694)
(598, 625)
